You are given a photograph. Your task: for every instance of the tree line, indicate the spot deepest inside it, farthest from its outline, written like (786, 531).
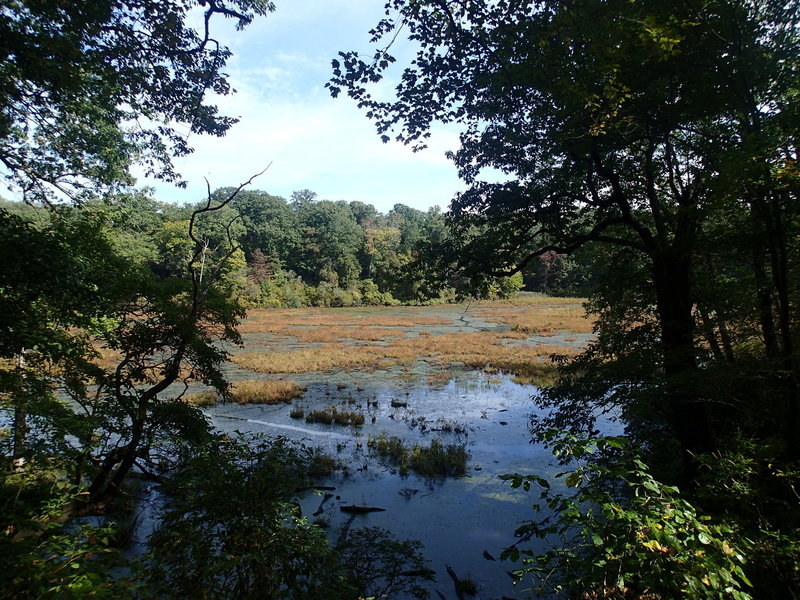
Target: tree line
(305, 251)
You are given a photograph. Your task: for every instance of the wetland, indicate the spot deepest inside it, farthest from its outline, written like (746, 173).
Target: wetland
(419, 409)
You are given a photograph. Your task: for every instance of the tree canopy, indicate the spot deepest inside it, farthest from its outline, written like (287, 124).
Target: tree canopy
(92, 86)
(634, 124)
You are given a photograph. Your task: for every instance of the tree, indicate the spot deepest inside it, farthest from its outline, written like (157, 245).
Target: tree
(270, 223)
(167, 331)
(90, 87)
(332, 241)
(617, 121)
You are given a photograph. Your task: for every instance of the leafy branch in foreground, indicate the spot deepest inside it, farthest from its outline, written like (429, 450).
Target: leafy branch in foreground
(616, 532)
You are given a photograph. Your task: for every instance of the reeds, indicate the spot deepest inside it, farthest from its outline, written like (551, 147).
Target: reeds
(251, 391)
(336, 334)
(434, 460)
(321, 358)
(484, 350)
(201, 399)
(277, 320)
(333, 415)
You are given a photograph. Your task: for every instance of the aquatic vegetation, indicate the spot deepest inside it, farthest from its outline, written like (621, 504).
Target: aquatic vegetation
(434, 460)
(277, 320)
(322, 358)
(336, 334)
(201, 399)
(297, 413)
(542, 319)
(323, 464)
(481, 350)
(333, 415)
(265, 391)
(439, 378)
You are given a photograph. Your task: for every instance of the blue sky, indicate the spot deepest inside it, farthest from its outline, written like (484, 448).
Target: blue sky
(287, 118)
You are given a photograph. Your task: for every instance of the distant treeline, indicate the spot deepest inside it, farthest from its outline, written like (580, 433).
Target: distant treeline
(309, 252)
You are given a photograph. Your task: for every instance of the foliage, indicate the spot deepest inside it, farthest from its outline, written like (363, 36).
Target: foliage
(45, 556)
(658, 130)
(75, 562)
(90, 87)
(617, 532)
(750, 486)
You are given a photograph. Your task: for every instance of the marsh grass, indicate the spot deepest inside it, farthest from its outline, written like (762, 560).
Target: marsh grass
(335, 416)
(265, 391)
(336, 334)
(277, 320)
(483, 350)
(370, 339)
(201, 399)
(534, 299)
(439, 378)
(323, 465)
(435, 460)
(322, 358)
(251, 391)
(540, 319)
(514, 335)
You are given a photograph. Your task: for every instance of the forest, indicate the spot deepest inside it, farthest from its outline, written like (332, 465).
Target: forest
(303, 252)
(644, 158)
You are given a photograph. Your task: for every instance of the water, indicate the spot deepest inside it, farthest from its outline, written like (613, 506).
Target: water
(457, 520)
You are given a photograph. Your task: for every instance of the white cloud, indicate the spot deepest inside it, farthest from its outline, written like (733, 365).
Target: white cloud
(288, 119)
(321, 144)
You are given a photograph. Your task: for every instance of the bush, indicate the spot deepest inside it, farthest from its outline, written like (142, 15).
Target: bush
(616, 532)
(382, 567)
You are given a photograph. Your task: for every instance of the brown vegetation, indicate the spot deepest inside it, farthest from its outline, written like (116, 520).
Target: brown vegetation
(265, 391)
(477, 350)
(252, 391)
(201, 399)
(541, 319)
(276, 320)
(335, 334)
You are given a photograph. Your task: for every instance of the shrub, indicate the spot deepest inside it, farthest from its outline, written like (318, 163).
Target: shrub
(383, 567)
(616, 532)
(233, 529)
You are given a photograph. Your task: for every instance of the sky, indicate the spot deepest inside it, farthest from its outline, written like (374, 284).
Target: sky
(289, 121)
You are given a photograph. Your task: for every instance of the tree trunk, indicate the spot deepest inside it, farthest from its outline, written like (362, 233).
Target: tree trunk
(20, 414)
(685, 410)
(764, 296)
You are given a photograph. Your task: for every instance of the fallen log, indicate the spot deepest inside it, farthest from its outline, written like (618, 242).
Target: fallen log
(360, 510)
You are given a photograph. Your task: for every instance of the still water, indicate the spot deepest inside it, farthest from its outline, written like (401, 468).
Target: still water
(460, 521)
